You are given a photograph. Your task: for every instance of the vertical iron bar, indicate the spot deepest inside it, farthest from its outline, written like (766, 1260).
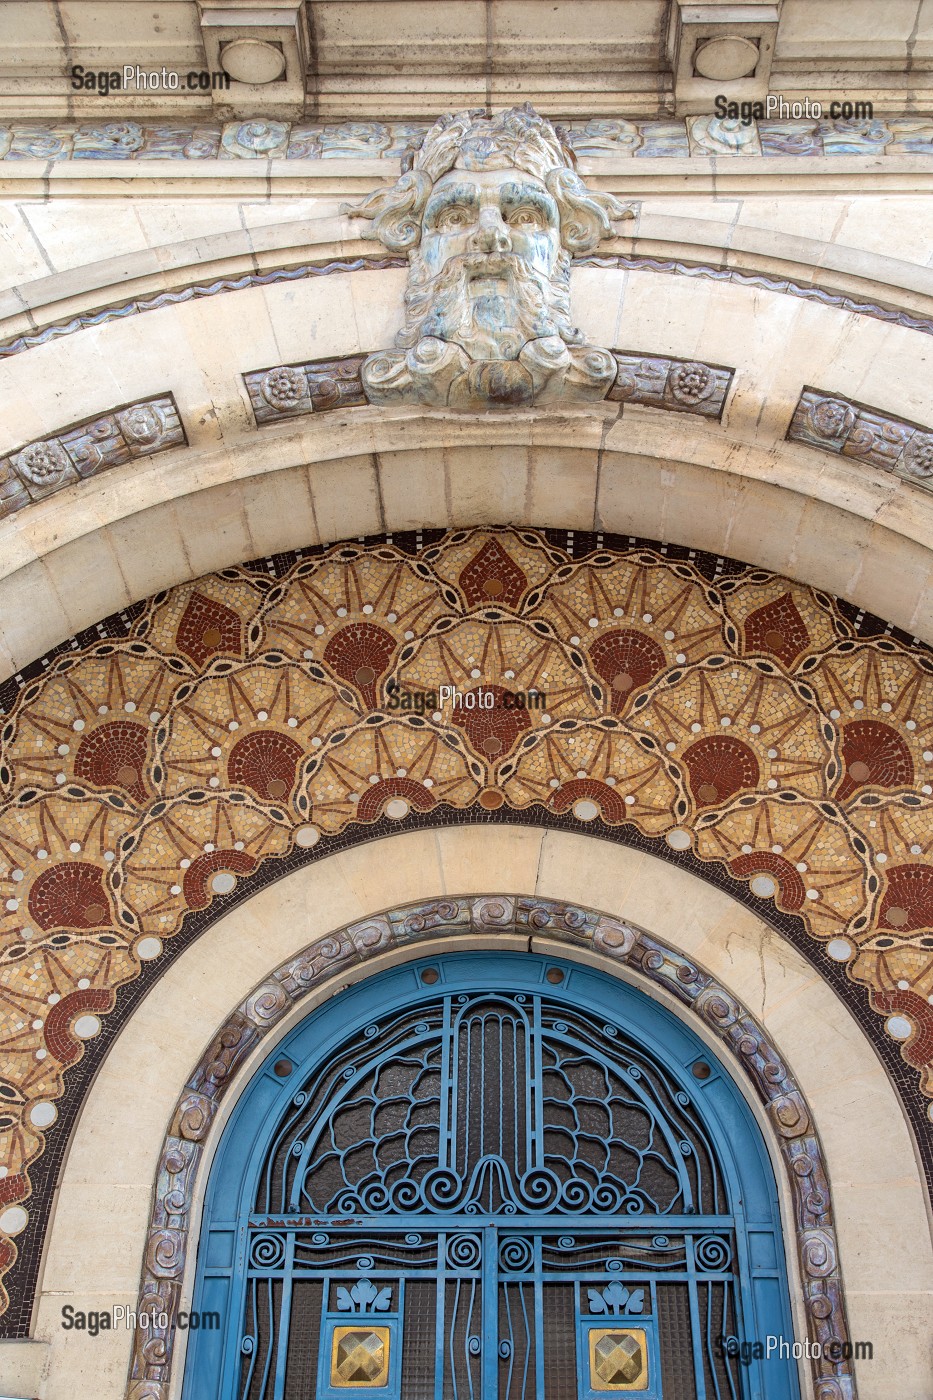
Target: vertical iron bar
(285, 1319)
(698, 1368)
(490, 1314)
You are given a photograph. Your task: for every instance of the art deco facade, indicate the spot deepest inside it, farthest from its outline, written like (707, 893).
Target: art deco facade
(466, 709)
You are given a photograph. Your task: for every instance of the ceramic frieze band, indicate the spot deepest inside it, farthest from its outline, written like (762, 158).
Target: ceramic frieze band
(94, 446)
(659, 381)
(891, 315)
(744, 1044)
(840, 425)
(170, 762)
(600, 137)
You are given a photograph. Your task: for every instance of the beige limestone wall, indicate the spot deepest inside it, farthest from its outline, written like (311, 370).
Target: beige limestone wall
(95, 1247)
(236, 492)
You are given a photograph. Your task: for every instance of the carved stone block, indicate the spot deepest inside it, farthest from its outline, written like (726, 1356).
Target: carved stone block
(680, 386)
(288, 391)
(851, 429)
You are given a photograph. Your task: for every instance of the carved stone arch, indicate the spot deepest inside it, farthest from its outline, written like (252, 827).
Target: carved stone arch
(736, 1038)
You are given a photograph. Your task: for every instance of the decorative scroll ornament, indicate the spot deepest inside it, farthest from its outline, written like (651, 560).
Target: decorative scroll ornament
(490, 211)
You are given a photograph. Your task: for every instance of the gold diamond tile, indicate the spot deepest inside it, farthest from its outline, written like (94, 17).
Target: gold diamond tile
(618, 1359)
(360, 1357)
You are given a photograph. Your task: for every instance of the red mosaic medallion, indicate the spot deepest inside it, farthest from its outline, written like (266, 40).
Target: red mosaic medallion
(626, 660)
(778, 628)
(360, 653)
(115, 756)
(492, 576)
(266, 762)
(720, 766)
(875, 755)
(207, 628)
(70, 896)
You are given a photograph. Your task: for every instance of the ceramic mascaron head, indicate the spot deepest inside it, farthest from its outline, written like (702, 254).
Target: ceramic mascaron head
(490, 211)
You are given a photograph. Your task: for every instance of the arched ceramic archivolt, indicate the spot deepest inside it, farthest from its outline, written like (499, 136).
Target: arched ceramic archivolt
(743, 1044)
(168, 763)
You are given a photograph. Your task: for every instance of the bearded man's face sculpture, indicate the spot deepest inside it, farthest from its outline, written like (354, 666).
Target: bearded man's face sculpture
(489, 212)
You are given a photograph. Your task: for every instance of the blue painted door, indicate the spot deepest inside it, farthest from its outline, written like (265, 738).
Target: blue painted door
(490, 1177)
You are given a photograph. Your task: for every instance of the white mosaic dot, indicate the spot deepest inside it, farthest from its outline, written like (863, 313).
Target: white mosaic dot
(216, 751)
(391, 617)
(754, 728)
(86, 1027)
(802, 867)
(60, 778)
(14, 1220)
(316, 742)
(858, 705)
(175, 889)
(881, 857)
(903, 986)
(618, 612)
(341, 612)
(772, 783)
(396, 809)
(42, 853)
(679, 839)
(670, 746)
(102, 709)
(223, 882)
(585, 810)
(575, 641)
(74, 847)
(610, 782)
(409, 636)
(928, 755)
(898, 1027)
(155, 716)
(555, 782)
(916, 850)
(725, 720)
(43, 1114)
(695, 727)
(148, 948)
(318, 632)
(428, 782)
(911, 724)
(747, 849)
(292, 722)
(680, 658)
(476, 673)
(834, 714)
(208, 846)
(78, 725)
(307, 836)
(130, 707)
(886, 708)
(214, 782)
(84, 983)
(233, 726)
(54, 998)
(63, 749)
(813, 894)
(367, 608)
(239, 845)
(629, 800)
(763, 885)
(12, 905)
(262, 714)
(647, 617)
(16, 874)
(839, 949)
(668, 636)
(772, 753)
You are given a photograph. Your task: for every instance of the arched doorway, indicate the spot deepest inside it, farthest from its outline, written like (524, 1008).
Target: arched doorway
(492, 1176)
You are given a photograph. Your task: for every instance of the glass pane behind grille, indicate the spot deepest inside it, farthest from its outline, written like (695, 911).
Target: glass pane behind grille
(675, 1339)
(419, 1344)
(303, 1337)
(560, 1351)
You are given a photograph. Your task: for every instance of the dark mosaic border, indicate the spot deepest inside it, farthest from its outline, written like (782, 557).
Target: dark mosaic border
(22, 1279)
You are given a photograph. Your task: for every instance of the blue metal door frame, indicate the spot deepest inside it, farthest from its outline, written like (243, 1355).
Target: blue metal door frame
(594, 1168)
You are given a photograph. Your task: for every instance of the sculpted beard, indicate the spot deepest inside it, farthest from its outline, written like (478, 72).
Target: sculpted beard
(489, 303)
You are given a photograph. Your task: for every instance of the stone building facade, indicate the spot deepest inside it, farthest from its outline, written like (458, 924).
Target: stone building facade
(466, 491)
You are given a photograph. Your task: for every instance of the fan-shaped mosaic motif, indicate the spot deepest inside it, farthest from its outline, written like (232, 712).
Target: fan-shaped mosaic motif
(759, 729)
